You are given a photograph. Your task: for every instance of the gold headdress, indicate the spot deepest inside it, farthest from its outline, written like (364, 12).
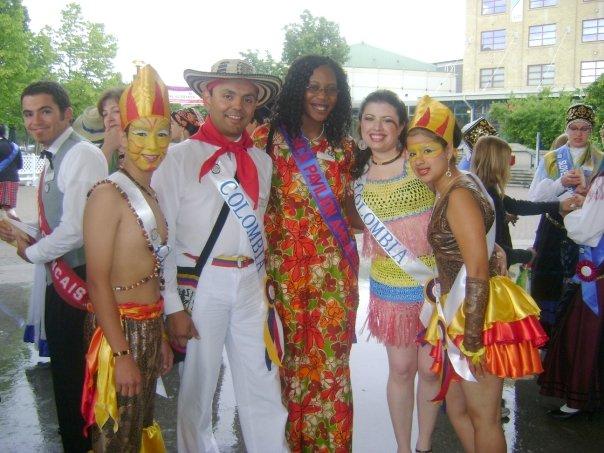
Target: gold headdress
(435, 117)
(581, 112)
(471, 132)
(146, 96)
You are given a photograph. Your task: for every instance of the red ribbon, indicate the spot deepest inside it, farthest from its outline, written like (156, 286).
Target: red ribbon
(247, 174)
(69, 286)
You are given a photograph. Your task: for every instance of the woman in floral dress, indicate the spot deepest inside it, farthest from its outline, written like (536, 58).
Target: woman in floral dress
(315, 274)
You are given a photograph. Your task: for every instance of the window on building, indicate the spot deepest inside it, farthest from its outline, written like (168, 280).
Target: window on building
(542, 35)
(493, 6)
(492, 40)
(591, 70)
(542, 3)
(540, 75)
(593, 30)
(491, 78)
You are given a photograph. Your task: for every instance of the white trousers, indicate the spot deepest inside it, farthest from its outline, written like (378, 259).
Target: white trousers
(230, 312)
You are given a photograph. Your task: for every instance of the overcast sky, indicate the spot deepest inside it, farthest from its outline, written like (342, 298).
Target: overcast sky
(176, 34)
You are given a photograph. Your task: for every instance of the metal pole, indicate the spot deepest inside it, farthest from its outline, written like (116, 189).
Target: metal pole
(537, 148)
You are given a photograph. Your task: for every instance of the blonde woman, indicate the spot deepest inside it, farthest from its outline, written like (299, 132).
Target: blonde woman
(491, 163)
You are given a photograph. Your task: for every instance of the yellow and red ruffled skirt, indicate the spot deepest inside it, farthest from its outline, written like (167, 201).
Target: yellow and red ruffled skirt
(512, 333)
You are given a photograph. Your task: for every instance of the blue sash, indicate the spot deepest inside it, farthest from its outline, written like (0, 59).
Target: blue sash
(9, 160)
(326, 201)
(564, 163)
(590, 260)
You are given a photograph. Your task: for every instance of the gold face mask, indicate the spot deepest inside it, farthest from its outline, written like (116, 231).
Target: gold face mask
(148, 140)
(429, 149)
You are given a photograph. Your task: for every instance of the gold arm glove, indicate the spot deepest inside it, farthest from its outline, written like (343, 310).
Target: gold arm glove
(474, 308)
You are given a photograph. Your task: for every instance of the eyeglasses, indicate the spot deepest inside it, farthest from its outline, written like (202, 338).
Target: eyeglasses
(330, 91)
(579, 129)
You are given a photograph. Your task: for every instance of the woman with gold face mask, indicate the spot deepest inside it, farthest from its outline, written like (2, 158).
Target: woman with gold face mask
(487, 323)
(125, 238)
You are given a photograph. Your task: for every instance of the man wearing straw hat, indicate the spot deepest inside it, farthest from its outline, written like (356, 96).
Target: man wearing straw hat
(213, 189)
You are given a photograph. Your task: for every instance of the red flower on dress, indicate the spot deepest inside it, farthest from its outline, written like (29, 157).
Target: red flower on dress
(298, 410)
(308, 331)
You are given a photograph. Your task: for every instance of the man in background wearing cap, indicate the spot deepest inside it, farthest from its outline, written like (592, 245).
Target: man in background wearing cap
(218, 171)
(561, 173)
(74, 166)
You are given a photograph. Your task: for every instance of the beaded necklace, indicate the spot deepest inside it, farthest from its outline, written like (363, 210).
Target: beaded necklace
(139, 185)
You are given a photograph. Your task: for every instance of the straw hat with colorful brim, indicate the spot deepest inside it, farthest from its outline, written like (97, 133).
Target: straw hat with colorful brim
(90, 125)
(268, 85)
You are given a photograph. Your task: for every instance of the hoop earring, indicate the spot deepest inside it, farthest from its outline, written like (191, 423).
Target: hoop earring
(362, 145)
(448, 173)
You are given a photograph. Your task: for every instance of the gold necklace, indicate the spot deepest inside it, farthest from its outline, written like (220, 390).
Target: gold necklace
(388, 161)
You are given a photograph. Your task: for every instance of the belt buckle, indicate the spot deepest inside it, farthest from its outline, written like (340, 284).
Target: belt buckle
(240, 262)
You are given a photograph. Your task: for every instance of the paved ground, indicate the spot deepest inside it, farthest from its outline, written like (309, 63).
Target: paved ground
(28, 420)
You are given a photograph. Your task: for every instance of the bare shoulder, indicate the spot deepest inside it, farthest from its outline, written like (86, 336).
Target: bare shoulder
(104, 195)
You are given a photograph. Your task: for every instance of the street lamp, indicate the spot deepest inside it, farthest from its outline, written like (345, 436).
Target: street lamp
(139, 64)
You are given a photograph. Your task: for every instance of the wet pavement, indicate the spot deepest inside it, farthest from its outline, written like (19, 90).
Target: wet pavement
(28, 418)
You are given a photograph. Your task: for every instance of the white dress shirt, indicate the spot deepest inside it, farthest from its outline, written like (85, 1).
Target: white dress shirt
(586, 225)
(191, 208)
(82, 167)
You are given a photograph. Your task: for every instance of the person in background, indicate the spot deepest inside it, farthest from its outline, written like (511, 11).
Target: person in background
(184, 123)
(114, 144)
(11, 161)
(125, 238)
(312, 255)
(387, 189)
(491, 163)
(73, 166)
(485, 328)
(261, 116)
(470, 134)
(560, 174)
(90, 126)
(574, 363)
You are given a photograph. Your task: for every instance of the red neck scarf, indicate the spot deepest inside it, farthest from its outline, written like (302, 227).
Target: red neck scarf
(246, 172)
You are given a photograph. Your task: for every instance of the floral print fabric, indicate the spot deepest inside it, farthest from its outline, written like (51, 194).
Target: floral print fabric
(317, 298)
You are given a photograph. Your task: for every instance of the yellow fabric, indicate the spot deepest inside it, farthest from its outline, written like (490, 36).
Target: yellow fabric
(152, 440)
(386, 271)
(434, 116)
(106, 402)
(591, 158)
(507, 303)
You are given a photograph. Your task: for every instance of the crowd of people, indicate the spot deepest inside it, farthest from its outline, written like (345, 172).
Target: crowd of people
(167, 237)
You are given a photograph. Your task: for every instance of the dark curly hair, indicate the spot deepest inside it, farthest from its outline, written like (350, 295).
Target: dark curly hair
(289, 106)
(361, 157)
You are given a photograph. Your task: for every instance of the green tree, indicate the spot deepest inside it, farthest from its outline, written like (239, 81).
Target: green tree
(264, 64)
(314, 35)
(520, 119)
(594, 96)
(85, 53)
(23, 57)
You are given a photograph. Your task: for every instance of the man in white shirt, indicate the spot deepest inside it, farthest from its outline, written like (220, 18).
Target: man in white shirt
(561, 173)
(228, 307)
(73, 167)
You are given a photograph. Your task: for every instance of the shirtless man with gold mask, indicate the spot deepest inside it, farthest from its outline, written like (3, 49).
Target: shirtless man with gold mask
(125, 237)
